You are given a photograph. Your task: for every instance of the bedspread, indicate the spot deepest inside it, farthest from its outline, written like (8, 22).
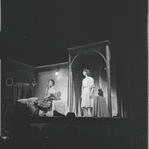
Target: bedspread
(58, 105)
(29, 102)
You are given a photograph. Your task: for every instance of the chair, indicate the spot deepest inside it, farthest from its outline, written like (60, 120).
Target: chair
(9, 106)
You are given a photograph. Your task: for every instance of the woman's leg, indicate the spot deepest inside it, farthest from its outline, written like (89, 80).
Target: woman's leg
(49, 113)
(41, 113)
(89, 111)
(84, 111)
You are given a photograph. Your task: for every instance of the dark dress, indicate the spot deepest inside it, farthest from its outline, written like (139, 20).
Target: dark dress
(100, 108)
(44, 104)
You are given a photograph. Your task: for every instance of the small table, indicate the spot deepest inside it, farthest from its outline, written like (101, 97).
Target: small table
(100, 108)
(60, 106)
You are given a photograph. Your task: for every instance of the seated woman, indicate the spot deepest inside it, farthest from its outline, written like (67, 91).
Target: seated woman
(44, 104)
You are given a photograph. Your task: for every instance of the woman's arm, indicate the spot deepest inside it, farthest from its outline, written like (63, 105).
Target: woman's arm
(92, 86)
(50, 92)
(47, 96)
(82, 89)
(91, 92)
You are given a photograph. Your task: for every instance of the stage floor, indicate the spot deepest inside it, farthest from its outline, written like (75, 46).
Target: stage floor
(68, 120)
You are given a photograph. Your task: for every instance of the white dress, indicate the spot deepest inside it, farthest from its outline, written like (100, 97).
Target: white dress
(87, 85)
(50, 90)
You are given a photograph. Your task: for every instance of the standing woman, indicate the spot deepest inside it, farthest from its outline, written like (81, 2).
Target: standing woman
(87, 93)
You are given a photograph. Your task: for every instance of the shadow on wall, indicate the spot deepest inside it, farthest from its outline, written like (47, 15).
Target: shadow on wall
(58, 95)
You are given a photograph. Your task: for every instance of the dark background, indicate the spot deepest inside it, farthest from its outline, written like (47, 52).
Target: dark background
(39, 32)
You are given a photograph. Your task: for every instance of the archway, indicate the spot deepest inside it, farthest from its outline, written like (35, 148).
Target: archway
(97, 53)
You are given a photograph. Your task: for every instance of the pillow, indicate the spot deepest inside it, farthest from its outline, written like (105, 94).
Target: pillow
(27, 100)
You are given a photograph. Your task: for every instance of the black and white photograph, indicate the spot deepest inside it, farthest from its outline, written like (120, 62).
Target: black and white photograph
(73, 74)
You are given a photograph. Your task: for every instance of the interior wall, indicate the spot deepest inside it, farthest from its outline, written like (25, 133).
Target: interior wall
(61, 81)
(95, 63)
(12, 69)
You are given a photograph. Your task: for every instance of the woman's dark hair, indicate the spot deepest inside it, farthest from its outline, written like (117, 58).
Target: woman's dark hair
(87, 72)
(100, 92)
(52, 81)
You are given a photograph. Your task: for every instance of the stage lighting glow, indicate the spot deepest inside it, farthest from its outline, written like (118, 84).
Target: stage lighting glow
(56, 73)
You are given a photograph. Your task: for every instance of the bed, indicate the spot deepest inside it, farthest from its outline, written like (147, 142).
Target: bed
(59, 106)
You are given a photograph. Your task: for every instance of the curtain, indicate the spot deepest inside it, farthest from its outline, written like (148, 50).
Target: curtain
(77, 83)
(26, 87)
(21, 90)
(17, 92)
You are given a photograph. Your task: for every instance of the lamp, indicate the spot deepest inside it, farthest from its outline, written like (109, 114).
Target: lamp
(56, 73)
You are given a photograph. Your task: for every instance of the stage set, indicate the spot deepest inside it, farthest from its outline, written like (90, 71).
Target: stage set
(67, 78)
